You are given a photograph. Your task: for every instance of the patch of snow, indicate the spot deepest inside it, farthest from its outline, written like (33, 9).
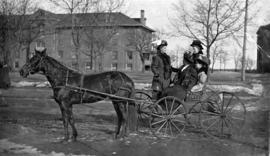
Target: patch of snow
(257, 88)
(21, 149)
(30, 84)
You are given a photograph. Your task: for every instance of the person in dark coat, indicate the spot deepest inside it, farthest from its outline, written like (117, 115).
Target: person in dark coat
(186, 76)
(161, 68)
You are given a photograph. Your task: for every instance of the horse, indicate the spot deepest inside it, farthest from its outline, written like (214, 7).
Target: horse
(110, 83)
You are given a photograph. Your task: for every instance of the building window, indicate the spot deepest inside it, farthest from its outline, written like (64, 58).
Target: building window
(88, 66)
(129, 67)
(17, 64)
(114, 55)
(129, 55)
(114, 66)
(60, 53)
(146, 56)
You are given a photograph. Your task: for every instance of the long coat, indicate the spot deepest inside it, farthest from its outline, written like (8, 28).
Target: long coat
(186, 77)
(161, 68)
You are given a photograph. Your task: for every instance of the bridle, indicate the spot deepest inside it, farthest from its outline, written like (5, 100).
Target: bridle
(30, 66)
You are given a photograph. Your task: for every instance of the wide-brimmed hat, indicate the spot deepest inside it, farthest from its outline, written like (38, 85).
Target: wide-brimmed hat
(160, 43)
(197, 43)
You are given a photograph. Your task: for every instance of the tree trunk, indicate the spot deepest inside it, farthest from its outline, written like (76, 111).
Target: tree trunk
(212, 70)
(27, 52)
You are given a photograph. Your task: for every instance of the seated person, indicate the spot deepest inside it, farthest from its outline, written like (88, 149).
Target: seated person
(201, 65)
(186, 75)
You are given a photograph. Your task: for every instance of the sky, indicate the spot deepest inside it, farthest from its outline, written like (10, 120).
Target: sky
(158, 13)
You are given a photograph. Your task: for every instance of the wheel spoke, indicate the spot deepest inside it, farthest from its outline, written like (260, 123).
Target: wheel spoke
(212, 124)
(209, 113)
(166, 127)
(172, 105)
(178, 109)
(222, 102)
(166, 105)
(222, 127)
(161, 126)
(183, 122)
(157, 122)
(177, 127)
(228, 103)
(237, 118)
(170, 127)
(156, 115)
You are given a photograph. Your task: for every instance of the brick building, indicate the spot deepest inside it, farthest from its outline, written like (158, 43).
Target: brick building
(101, 39)
(263, 54)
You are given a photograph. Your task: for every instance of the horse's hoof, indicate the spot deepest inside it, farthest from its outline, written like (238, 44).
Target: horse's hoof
(73, 139)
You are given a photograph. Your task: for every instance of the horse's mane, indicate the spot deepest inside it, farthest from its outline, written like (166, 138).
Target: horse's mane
(60, 65)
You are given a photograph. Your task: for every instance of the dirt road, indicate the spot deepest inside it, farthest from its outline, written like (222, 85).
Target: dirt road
(31, 125)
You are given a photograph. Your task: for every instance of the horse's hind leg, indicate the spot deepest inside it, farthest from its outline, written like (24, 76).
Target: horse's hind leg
(119, 118)
(123, 109)
(65, 120)
(72, 123)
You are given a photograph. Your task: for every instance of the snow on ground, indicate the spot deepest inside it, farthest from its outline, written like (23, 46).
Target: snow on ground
(257, 88)
(7, 146)
(30, 84)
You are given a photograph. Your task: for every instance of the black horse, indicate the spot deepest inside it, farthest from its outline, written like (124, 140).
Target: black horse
(112, 82)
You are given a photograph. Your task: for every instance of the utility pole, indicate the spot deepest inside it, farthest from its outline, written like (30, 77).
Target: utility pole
(243, 73)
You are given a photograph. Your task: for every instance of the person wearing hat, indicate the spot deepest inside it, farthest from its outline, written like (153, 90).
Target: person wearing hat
(197, 46)
(161, 68)
(202, 63)
(186, 76)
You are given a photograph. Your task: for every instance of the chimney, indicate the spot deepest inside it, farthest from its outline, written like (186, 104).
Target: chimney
(142, 19)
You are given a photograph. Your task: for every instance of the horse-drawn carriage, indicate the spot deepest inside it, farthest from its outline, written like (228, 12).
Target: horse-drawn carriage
(216, 113)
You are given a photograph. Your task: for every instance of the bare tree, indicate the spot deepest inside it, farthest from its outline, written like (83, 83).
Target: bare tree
(73, 7)
(97, 41)
(209, 20)
(140, 41)
(223, 58)
(216, 52)
(237, 60)
(17, 27)
(99, 34)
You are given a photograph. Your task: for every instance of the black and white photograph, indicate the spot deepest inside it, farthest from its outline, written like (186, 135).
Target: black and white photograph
(134, 77)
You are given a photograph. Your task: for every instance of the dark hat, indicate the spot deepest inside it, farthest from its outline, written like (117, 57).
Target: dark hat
(197, 43)
(162, 44)
(203, 59)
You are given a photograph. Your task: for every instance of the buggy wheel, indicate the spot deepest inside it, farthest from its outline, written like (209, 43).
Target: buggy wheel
(144, 102)
(224, 117)
(168, 116)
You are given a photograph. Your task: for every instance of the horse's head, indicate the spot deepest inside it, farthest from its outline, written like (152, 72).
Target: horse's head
(34, 65)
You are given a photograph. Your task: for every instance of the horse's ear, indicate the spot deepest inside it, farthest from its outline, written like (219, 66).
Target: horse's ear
(36, 51)
(44, 52)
